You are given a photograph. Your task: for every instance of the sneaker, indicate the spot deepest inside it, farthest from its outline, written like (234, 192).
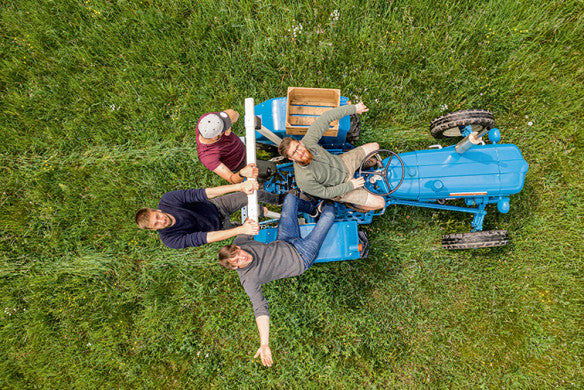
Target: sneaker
(318, 209)
(372, 162)
(320, 206)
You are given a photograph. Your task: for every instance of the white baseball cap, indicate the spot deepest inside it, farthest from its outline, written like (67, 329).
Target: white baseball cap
(212, 124)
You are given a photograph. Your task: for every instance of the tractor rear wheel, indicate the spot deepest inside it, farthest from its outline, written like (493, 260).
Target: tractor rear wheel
(354, 130)
(448, 125)
(473, 240)
(364, 244)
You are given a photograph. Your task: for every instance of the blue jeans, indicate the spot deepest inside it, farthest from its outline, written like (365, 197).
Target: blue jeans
(289, 231)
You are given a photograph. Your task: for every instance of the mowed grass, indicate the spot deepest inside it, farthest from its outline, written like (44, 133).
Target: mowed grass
(99, 100)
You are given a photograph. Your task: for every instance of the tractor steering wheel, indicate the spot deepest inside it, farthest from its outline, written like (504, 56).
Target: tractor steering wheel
(381, 171)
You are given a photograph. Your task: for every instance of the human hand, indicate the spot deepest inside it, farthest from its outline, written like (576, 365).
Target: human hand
(250, 171)
(357, 182)
(233, 115)
(266, 355)
(250, 227)
(249, 186)
(361, 108)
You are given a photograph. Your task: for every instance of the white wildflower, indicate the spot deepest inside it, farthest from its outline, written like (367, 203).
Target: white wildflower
(296, 30)
(444, 107)
(335, 15)
(529, 123)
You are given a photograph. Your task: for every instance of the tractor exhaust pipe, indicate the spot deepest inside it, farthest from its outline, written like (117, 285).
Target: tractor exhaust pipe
(470, 140)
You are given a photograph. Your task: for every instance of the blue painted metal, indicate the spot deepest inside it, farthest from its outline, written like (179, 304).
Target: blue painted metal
(483, 171)
(494, 135)
(465, 131)
(485, 174)
(342, 241)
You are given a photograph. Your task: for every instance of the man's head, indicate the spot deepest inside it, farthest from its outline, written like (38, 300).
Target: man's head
(295, 151)
(213, 124)
(151, 219)
(233, 257)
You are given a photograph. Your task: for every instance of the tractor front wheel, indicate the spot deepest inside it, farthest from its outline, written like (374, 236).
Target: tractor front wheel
(449, 125)
(473, 240)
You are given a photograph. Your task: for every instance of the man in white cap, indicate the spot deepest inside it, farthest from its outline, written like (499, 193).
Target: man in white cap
(222, 151)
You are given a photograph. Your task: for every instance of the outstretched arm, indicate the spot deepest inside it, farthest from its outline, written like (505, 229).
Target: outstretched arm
(321, 124)
(247, 186)
(264, 351)
(250, 228)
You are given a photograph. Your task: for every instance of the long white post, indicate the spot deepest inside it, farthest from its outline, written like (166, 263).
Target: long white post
(250, 145)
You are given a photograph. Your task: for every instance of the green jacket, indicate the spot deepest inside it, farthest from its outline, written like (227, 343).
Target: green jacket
(325, 176)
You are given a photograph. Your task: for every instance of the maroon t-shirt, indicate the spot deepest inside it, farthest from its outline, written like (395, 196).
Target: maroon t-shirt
(229, 150)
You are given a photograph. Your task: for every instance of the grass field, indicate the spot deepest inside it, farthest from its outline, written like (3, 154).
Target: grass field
(98, 103)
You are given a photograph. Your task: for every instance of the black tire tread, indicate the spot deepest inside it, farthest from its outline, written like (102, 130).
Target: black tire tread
(455, 119)
(364, 241)
(482, 239)
(462, 114)
(354, 130)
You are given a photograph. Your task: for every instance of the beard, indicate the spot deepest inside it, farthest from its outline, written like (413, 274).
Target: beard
(306, 158)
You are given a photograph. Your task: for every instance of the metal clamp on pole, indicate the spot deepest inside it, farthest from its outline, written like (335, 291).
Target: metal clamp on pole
(250, 145)
(470, 140)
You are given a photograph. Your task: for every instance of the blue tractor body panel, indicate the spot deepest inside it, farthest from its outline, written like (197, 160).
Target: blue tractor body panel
(341, 242)
(487, 170)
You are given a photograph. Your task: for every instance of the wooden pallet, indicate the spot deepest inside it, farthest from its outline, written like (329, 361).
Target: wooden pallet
(304, 105)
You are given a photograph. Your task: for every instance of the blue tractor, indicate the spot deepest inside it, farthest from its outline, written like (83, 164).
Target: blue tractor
(473, 170)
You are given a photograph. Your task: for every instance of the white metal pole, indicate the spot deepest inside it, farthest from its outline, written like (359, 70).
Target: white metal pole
(250, 145)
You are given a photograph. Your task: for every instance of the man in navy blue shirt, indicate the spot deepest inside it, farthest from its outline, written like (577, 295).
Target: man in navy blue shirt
(195, 217)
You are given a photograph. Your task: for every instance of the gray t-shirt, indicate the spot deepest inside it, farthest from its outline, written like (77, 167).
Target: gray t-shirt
(276, 260)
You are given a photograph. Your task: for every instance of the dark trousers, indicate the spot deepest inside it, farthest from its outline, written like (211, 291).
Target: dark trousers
(229, 204)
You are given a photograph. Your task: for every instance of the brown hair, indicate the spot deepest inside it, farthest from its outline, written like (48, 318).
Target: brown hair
(143, 217)
(225, 254)
(284, 146)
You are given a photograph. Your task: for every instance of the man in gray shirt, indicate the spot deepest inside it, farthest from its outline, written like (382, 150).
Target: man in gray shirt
(290, 255)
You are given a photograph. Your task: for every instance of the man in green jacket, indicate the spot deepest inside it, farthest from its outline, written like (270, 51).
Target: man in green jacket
(328, 176)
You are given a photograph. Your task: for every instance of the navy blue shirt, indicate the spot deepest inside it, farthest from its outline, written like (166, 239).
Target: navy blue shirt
(194, 214)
